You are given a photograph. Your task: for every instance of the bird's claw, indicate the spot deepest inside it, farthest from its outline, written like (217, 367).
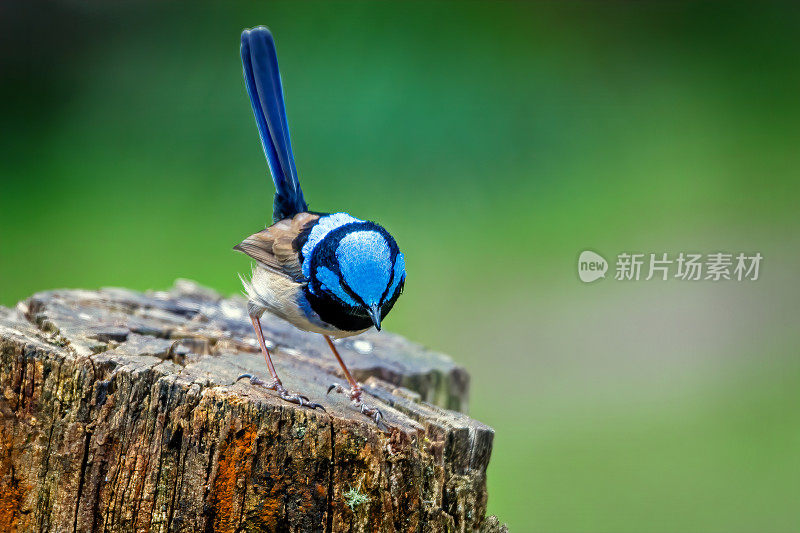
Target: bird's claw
(299, 399)
(354, 394)
(275, 385)
(355, 397)
(336, 386)
(375, 414)
(271, 385)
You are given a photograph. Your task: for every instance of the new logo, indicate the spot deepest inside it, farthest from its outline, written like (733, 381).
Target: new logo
(591, 266)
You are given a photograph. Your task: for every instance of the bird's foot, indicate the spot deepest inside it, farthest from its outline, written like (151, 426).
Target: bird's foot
(276, 385)
(355, 398)
(354, 394)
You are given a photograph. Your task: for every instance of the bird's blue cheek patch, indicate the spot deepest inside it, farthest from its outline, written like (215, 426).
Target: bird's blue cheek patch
(331, 282)
(399, 274)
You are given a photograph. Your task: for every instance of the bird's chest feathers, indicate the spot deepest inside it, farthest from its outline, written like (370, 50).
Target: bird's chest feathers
(287, 299)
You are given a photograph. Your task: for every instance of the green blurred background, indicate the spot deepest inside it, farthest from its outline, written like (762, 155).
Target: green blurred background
(496, 141)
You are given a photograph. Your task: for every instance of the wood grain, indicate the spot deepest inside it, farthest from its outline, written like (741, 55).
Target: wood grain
(119, 411)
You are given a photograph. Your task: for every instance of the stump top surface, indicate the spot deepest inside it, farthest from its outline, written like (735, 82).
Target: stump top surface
(208, 338)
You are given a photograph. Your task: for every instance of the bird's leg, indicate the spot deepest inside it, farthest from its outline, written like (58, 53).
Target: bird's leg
(275, 383)
(355, 389)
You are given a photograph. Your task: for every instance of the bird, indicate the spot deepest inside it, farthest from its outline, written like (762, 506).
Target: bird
(327, 273)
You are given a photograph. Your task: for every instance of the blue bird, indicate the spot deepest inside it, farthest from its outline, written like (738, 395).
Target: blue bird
(331, 274)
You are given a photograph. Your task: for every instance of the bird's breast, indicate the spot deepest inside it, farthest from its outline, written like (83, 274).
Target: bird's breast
(287, 299)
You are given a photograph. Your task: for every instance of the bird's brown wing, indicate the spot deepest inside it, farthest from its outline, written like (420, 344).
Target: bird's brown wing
(274, 247)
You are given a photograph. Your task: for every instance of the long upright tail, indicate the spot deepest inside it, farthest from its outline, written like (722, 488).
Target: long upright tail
(263, 83)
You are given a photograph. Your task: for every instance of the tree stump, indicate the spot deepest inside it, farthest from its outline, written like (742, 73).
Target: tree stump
(120, 411)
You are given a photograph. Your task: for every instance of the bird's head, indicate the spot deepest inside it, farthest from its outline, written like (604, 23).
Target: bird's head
(356, 272)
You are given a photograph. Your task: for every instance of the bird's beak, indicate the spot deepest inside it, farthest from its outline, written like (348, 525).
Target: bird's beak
(375, 315)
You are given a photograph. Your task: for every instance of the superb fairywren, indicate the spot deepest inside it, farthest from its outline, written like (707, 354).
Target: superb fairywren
(328, 273)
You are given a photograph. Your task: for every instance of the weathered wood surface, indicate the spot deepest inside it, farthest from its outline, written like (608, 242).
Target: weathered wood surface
(119, 411)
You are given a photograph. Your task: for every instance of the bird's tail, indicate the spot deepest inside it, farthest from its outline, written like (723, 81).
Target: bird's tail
(263, 83)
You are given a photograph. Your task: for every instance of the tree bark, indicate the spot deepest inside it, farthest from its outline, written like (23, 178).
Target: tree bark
(120, 411)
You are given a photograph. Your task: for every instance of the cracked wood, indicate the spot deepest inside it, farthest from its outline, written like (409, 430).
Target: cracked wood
(119, 411)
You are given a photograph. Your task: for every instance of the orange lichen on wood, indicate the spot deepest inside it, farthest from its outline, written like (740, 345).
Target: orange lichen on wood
(233, 465)
(12, 492)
